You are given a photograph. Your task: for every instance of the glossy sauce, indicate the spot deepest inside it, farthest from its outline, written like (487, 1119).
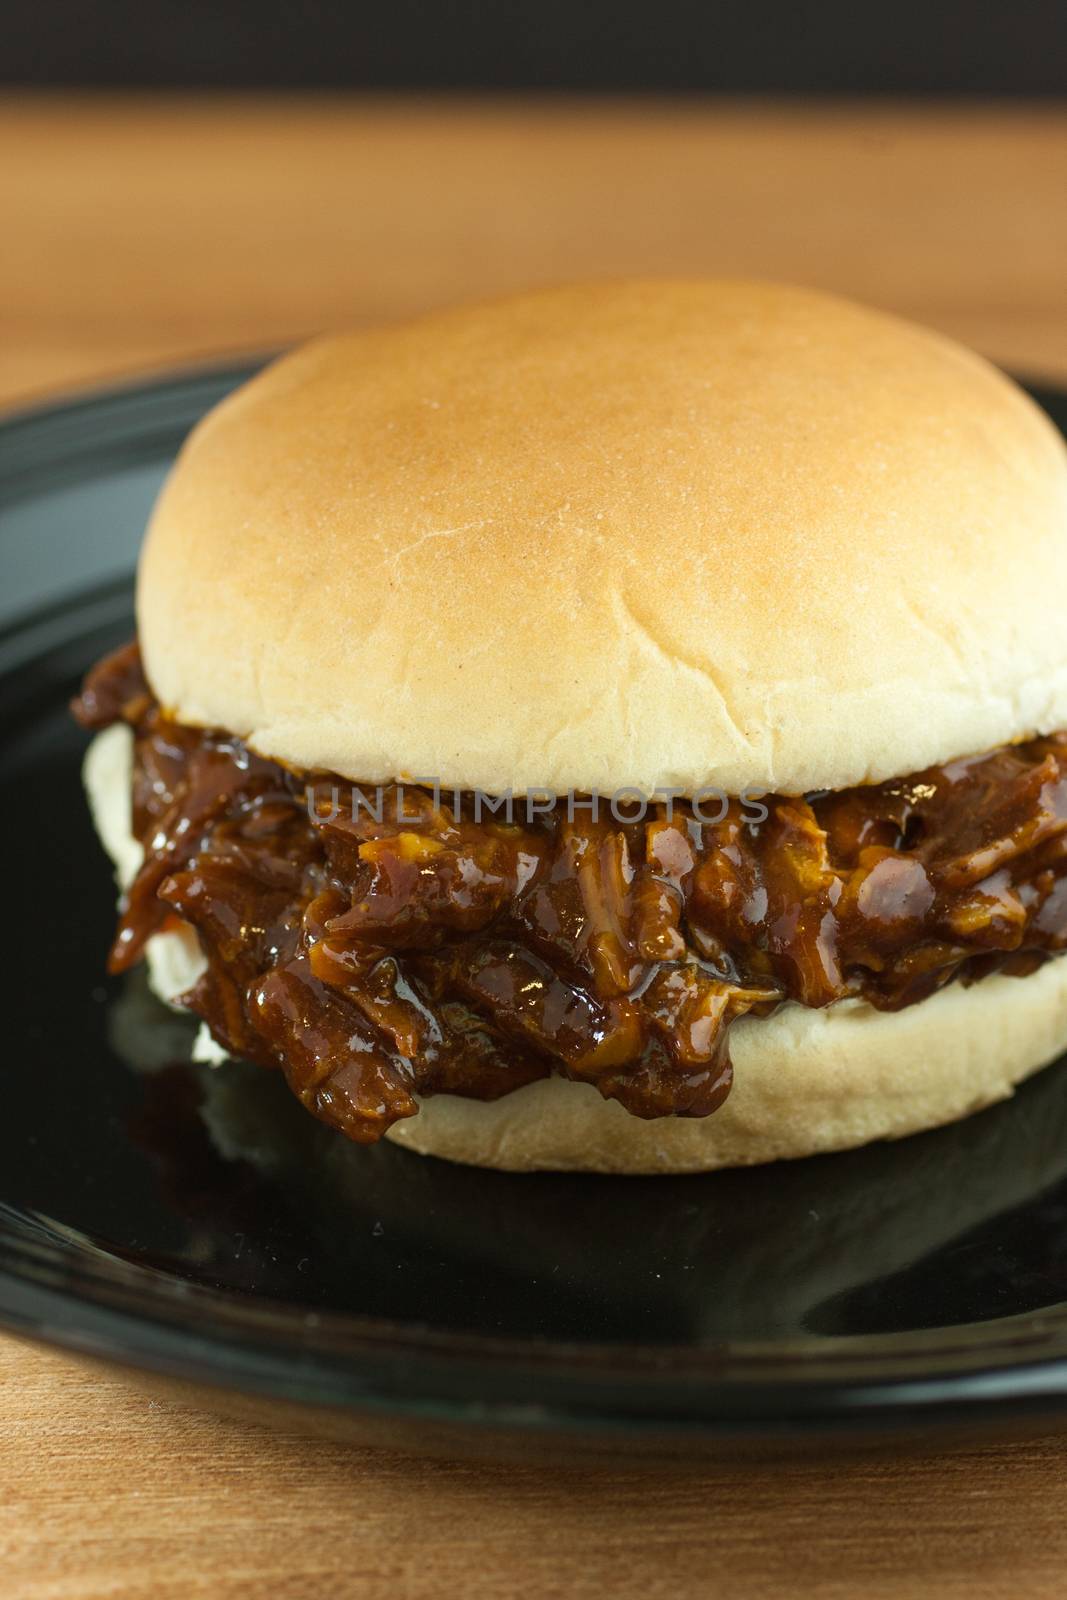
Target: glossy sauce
(427, 953)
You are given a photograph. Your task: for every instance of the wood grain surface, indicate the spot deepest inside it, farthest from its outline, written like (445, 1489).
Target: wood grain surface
(105, 1491)
(142, 232)
(136, 233)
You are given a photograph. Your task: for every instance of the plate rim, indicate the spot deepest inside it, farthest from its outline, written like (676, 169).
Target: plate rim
(130, 1312)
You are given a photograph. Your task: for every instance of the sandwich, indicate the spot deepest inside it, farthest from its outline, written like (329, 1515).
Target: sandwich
(619, 728)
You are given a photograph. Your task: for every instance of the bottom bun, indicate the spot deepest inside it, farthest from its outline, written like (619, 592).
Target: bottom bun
(804, 1081)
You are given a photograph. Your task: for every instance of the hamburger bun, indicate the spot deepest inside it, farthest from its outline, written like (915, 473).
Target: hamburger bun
(619, 535)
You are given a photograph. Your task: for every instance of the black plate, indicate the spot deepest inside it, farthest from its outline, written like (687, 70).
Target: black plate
(198, 1224)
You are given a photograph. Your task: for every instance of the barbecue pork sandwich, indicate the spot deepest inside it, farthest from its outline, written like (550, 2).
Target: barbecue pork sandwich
(620, 727)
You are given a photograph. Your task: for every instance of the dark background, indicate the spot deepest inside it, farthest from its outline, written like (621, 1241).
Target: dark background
(1015, 47)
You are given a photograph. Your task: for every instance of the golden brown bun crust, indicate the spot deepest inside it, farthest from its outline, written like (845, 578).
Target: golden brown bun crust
(626, 534)
(805, 1082)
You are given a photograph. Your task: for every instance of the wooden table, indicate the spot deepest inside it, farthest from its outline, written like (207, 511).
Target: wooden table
(153, 231)
(143, 232)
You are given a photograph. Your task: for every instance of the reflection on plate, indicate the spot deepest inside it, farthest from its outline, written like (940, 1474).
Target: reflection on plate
(916, 1234)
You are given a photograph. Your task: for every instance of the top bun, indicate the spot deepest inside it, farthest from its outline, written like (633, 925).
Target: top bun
(619, 535)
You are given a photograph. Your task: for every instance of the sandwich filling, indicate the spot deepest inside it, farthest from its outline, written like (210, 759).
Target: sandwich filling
(417, 947)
